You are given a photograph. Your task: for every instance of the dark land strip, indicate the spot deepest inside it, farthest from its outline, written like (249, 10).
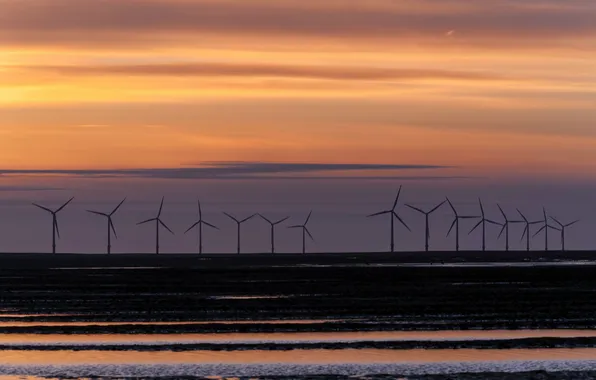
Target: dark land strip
(367, 296)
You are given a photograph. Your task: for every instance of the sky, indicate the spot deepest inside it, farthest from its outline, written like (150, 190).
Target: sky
(283, 107)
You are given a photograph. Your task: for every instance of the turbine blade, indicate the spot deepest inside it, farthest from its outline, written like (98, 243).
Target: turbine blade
(191, 227)
(308, 233)
(502, 230)
(57, 228)
(281, 220)
(379, 213)
(437, 207)
(265, 219)
(200, 209)
(469, 217)
(160, 207)
(231, 217)
(557, 221)
(295, 226)
(481, 207)
(147, 221)
(210, 225)
(522, 215)
(539, 231)
(526, 231)
(308, 218)
(117, 207)
(495, 223)
(572, 223)
(452, 207)
(113, 228)
(502, 212)
(98, 213)
(476, 226)
(452, 225)
(64, 205)
(396, 199)
(416, 208)
(166, 227)
(249, 218)
(401, 221)
(43, 208)
(555, 228)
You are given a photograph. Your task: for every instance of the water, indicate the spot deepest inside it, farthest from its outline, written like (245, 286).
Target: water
(90, 361)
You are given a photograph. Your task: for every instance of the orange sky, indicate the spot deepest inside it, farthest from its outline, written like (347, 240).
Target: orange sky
(494, 87)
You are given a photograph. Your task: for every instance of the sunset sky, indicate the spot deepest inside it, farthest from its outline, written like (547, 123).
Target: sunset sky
(185, 98)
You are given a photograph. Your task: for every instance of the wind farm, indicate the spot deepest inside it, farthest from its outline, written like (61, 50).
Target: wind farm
(453, 228)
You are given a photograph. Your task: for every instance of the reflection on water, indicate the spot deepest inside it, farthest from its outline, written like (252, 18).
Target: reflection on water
(133, 323)
(307, 337)
(364, 356)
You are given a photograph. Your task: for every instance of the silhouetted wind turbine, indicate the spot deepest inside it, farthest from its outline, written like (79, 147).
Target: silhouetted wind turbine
(544, 228)
(505, 224)
(455, 223)
(239, 223)
(393, 215)
(55, 229)
(563, 228)
(157, 221)
(426, 215)
(273, 224)
(527, 229)
(483, 222)
(111, 227)
(200, 224)
(304, 232)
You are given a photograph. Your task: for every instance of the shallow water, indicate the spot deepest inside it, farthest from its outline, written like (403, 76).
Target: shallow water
(349, 356)
(306, 337)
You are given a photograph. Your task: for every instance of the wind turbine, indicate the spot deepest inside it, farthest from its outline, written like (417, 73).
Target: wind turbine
(505, 224)
(157, 221)
(545, 228)
(527, 229)
(393, 215)
(200, 224)
(304, 232)
(426, 215)
(563, 228)
(55, 229)
(483, 222)
(239, 223)
(273, 224)
(111, 227)
(455, 223)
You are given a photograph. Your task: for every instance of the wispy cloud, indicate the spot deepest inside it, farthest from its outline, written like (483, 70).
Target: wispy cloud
(265, 70)
(238, 170)
(116, 22)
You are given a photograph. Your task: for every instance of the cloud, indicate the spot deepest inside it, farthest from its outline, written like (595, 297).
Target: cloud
(28, 188)
(114, 22)
(267, 70)
(232, 170)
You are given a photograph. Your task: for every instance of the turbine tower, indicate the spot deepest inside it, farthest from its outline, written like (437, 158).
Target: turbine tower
(544, 228)
(239, 223)
(55, 229)
(505, 224)
(199, 223)
(111, 227)
(393, 215)
(526, 233)
(483, 222)
(305, 231)
(157, 221)
(427, 215)
(273, 224)
(563, 229)
(455, 223)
